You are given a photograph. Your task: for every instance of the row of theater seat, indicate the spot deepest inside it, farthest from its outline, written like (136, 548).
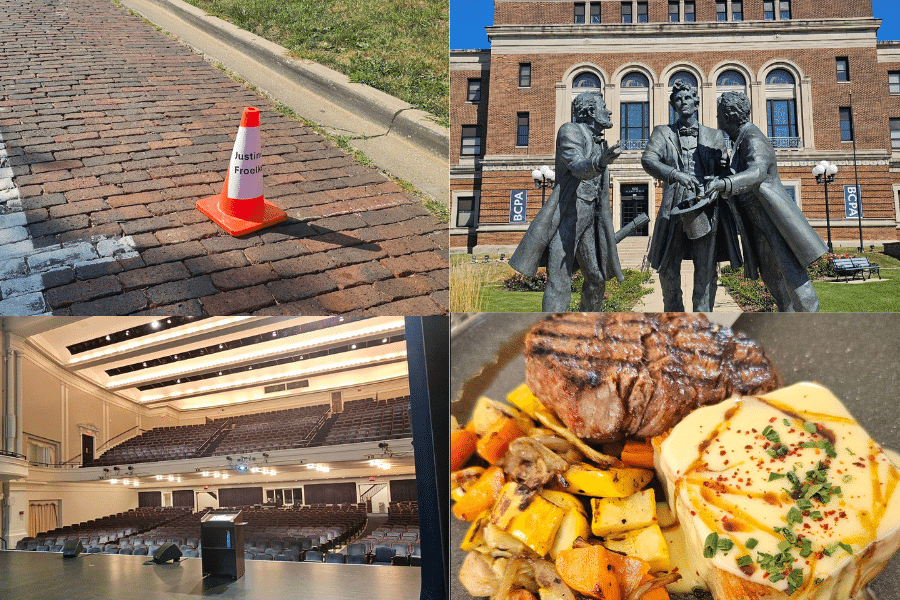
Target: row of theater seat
(360, 421)
(370, 420)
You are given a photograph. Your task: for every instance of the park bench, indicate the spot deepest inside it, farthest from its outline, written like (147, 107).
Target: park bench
(849, 267)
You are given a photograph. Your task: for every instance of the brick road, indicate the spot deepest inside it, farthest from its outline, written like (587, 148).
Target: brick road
(111, 131)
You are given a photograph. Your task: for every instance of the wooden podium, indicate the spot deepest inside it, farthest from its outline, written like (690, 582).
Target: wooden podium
(222, 544)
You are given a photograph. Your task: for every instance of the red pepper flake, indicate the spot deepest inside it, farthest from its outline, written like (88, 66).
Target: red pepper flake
(693, 514)
(748, 447)
(825, 526)
(843, 515)
(772, 420)
(725, 463)
(722, 453)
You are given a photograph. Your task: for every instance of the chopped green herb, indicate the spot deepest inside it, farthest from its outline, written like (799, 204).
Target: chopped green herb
(804, 504)
(815, 515)
(711, 546)
(846, 547)
(771, 435)
(773, 476)
(810, 427)
(795, 580)
(794, 516)
(807, 444)
(805, 547)
(830, 550)
(751, 543)
(745, 560)
(776, 577)
(847, 478)
(828, 447)
(784, 545)
(725, 544)
(786, 423)
(852, 453)
(819, 580)
(813, 490)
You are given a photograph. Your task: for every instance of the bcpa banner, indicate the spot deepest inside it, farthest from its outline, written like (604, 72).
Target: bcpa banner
(518, 203)
(852, 207)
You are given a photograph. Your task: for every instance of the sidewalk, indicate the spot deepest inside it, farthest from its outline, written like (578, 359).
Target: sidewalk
(113, 130)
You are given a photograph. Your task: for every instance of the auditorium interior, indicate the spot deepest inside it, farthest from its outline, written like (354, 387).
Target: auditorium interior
(124, 436)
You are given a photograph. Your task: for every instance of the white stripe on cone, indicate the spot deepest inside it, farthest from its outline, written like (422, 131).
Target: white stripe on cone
(245, 178)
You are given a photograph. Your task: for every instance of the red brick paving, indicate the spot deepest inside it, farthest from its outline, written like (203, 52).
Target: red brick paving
(115, 130)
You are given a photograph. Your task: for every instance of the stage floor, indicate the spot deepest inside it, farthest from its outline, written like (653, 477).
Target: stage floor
(46, 576)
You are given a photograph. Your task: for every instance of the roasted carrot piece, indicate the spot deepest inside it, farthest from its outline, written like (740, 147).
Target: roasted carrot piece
(493, 445)
(481, 496)
(629, 570)
(462, 446)
(588, 571)
(638, 454)
(659, 593)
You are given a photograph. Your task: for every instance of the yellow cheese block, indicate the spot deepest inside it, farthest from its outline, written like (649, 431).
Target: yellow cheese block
(616, 515)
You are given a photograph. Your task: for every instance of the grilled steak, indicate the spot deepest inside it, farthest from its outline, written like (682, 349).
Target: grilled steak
(617, 375)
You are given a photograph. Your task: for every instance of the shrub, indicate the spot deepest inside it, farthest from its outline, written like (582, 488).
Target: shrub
(824, 266)
(538, 283)
(750, 294)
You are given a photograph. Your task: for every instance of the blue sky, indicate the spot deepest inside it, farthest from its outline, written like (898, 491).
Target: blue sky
(468, 18)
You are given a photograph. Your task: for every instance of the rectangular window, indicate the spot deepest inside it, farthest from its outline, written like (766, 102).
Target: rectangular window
(626, 12)
(521, 129)
(846, 124)
(642, 12)
(842, 64)
(769, 10)
(737, 10)
(635, 125)
(674, 17)
(474, 94)
(894, 82)
(690, 12)
(785, 9)
(465, 211)
(579, 12)
(721, 15)
(781, 116)
(471, 140)
(595, 12)
(524, 75)
(895, 134)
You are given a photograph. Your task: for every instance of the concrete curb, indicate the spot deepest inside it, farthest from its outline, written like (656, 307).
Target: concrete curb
(376, 106)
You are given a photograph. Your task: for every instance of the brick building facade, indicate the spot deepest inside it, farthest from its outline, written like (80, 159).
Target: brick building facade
(803, 64)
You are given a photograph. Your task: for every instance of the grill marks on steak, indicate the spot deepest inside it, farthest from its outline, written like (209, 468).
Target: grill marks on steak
(611, 376)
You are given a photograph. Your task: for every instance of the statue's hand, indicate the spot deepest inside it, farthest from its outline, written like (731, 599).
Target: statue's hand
(714, 184)
(610, 155)
(688, 181)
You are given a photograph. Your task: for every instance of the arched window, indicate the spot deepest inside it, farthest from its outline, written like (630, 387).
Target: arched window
(779, 77)
(686, 77)
(584, 82)
(731, 79)
(781, 109)
(635, 80)
(635, 111)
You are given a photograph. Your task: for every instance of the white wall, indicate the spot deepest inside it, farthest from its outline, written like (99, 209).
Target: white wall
(78, 502)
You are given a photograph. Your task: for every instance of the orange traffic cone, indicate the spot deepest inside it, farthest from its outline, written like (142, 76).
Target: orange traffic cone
(241, 207)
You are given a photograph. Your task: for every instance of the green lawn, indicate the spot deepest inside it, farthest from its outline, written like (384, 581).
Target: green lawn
(396, 46)
(871, 296)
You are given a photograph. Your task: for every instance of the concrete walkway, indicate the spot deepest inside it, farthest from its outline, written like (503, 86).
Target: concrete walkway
(110, 131)
(653, 302)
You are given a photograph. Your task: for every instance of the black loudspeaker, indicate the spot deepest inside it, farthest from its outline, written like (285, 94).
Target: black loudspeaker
(165, 553)
(72, 548)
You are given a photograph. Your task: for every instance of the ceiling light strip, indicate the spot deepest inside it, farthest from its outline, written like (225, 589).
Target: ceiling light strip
(258, 354)
(163, 337)
(280, 375)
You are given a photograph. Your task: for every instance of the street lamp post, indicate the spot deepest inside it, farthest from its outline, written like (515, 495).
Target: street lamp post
(824, 172)
(543, 178)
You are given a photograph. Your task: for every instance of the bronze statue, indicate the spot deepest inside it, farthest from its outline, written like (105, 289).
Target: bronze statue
(778, 242)
(574, 228)
(690, 223)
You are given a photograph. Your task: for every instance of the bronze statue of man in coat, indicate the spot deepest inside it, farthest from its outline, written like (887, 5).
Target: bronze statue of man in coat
(777, 240)
(690, 223)
(574, 228)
